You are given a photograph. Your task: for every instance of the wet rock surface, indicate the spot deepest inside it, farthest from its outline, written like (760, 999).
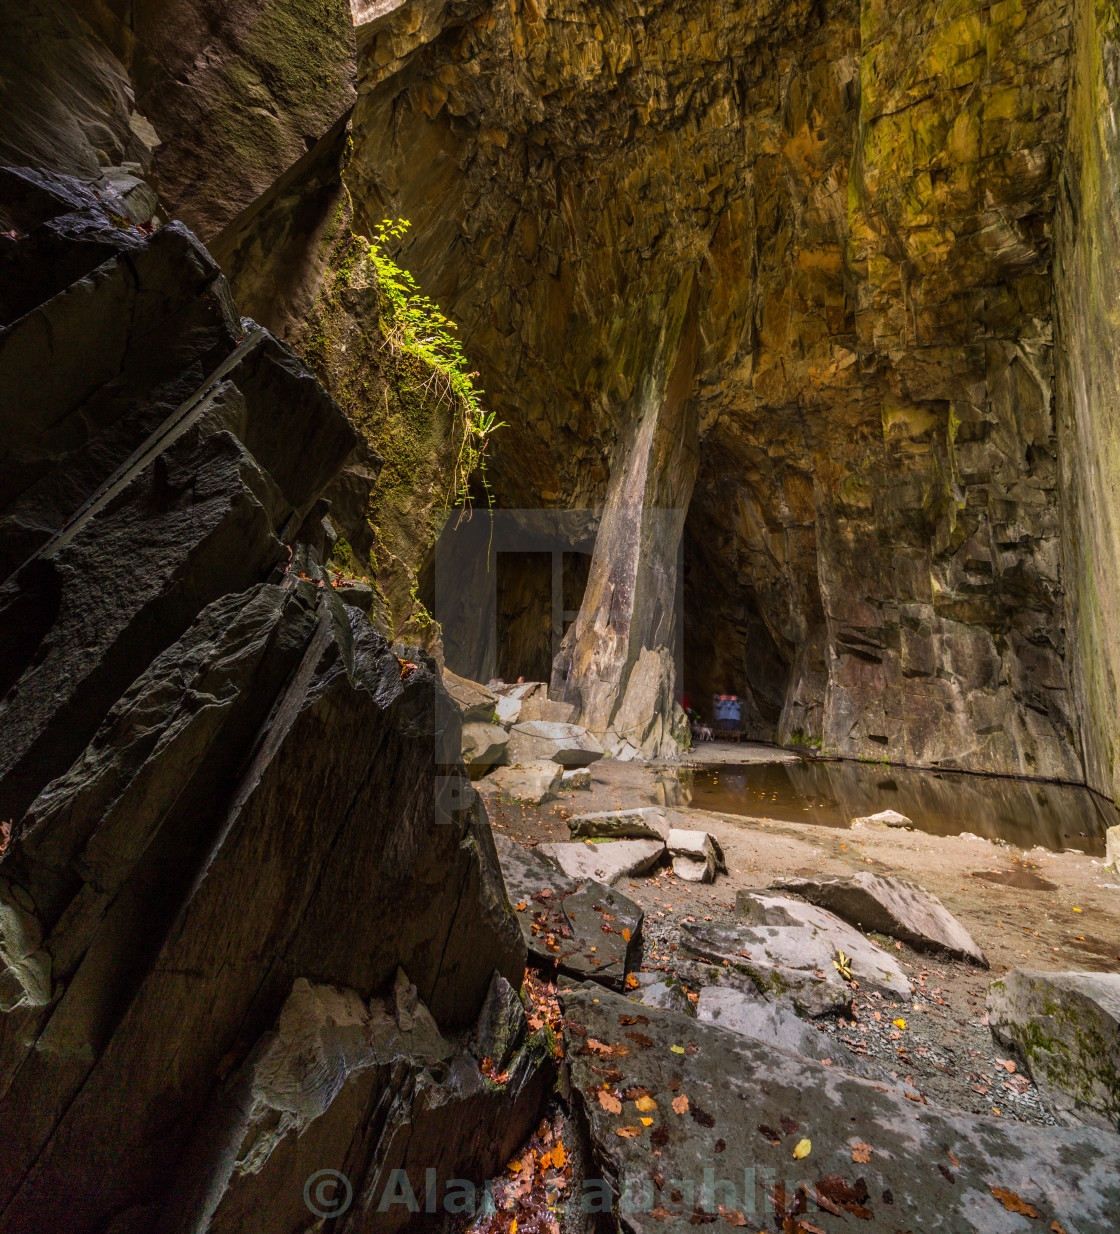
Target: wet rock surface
(1067, 1028)
(768, 1134)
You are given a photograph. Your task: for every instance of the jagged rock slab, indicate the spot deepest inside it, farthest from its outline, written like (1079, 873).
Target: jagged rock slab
(789, 949)
(566, 744)
(508, 710)
(475, 702)
(885, 818)
(693, 853)
(714, 1152)
(661, 990)
(606, 862)
(577, 778)
(1067, 1027)
(563, 919)
(640, 823)
(539, 706)
(1112, 849)
(483, 746)
(535, 782)
(893, 906)
(367, 873)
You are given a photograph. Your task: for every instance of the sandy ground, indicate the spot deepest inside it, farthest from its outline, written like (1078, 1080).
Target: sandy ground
(945, 1050)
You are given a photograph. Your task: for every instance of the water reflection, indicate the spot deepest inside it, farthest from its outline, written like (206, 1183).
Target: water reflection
(1022, 812)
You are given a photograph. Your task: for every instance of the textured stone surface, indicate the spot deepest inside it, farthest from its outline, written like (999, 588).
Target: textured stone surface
(1067, 1027)
(891, 906)
(694, 853)
(534, 783)
(483, 746)
(884, 818)
(606, 862)
(734, 1084)
(578, 926)
(641, 823)
(570, 745)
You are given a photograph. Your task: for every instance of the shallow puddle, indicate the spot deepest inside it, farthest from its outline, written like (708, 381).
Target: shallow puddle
(1022, 812)
(1024, 880)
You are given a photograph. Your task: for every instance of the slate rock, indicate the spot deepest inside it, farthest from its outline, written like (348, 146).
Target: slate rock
(475, 702)
(483, 746)
(715, 1153)
(508, 710)
(533, 783)
(893, 906)
(662, 990)
(694, 854)
(577, 778)
(564, 918)
(640, 823)
(606, 862)
(1112, 849)
(1067, 1028)
(885, 818)
(567, 744)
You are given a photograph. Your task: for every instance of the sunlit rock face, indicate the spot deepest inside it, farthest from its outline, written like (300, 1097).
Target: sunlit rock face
(861, 198)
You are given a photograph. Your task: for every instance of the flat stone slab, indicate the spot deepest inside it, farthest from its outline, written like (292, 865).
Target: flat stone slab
(577, 778)
(885, 818)
(475, 702)
(533, 783)
(789, 949)
(639, 823)
(893, 906)
(750, 1103)
(747, 1012)
(562, 920)
(696, 856)
(566, 744)
(1067, 1027)
(606, 862)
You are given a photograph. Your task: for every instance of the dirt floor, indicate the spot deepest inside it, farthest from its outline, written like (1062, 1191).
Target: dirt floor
(1031, 909)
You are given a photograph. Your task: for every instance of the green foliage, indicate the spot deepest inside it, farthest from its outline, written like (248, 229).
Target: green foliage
(413, 325)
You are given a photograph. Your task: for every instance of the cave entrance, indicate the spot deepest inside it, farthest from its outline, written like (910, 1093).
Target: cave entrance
(538, 595)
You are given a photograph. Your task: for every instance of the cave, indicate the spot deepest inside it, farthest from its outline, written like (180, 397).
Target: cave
(559, 615)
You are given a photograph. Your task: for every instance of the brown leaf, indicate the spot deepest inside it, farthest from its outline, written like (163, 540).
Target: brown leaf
(680, 1104)
(1012, 1202)
(732, 1216)
(721, 1146)
(609, 1102)
(522, 906)
(660, 1136)
(641, 1040)
(628, 1133)
(788, 1125)
(952, 1156)
(631, 981)
(861, 1153)
(702, 1117)
(600, 1047)
(662, 1214)
(627, 1020)
(578, 1029)
(768, 1133)
(691, 1048)
(1057, 1228)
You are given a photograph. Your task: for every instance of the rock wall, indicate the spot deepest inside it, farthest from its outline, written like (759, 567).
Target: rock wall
(1087, 292)
(864, 196)
(236, 816)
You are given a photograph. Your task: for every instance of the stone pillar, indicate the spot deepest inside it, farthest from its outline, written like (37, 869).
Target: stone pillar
(615, 662)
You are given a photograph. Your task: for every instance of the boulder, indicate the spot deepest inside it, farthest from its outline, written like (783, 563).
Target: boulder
(534, 783)
(566, 744)
(885, 818)
(581, 929)
(577, 778)
(539, 706)
(744, 1104)
(484, 745)
(508, 710)
(476, 703)
(891, 906)
(1067, 1028)
(1112, 849)
(790, 950)
(696, 855)
(640, 823)
(608, 861)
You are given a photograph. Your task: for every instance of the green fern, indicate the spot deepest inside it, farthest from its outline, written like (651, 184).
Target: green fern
(413, 325)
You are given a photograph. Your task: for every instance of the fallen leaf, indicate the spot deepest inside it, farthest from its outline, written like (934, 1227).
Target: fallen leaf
(661, 1136)
(600, 1047)
(702, 1117)
(677, 1049)
(627, 1020)
(631, 981)
(680, 1104)
(768, 1133)
(732, 1216)
(559, 1157)
(1012, 1202)
(628, 1133)
(647, 1122)
(802, 1149)
(1057, 1228)
(626, 936)
(952, 1156)
(788, 1125)
(899, 1023)
(645, 1104)
(609, 1103)
(522, 906)
(861, 1153)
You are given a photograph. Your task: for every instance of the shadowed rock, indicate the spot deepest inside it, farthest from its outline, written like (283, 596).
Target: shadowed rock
(606, 862)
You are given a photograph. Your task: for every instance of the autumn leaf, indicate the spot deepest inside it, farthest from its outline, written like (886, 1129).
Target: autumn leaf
(645, 1104)
(647, 1122)
(600, 1047)
(899, 1023)
(631, 981)
(732, 1216)
(788, 1125)
(626, 935)
(802, 1149)
(861, 1153)
(768, 1133)
(628, 1133)
(559, 1157)
(522, 906)
(677, 1049)
(702, 1117)
(609, 1103)
(680, 1104)
(1012, 1202)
